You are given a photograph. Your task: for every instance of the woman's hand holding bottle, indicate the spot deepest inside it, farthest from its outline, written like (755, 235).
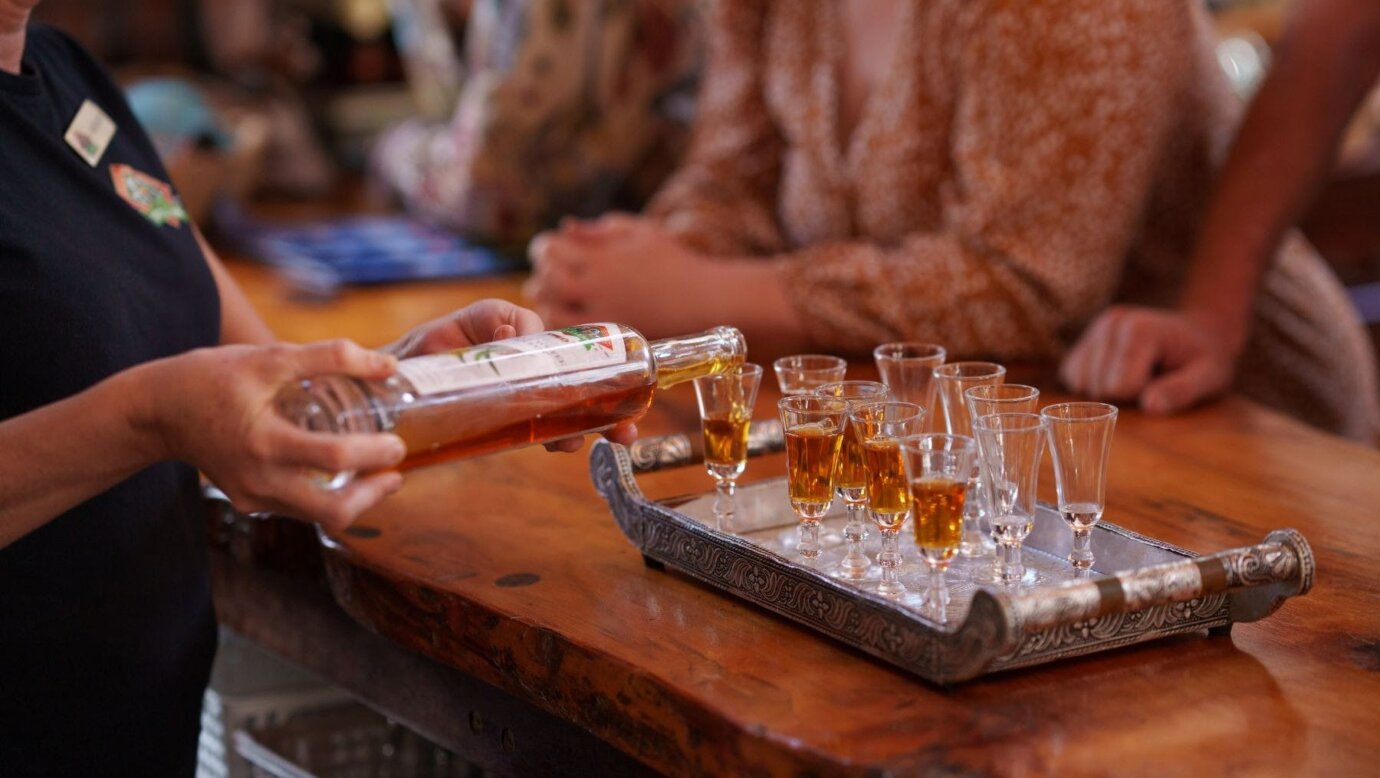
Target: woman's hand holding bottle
(215, 409)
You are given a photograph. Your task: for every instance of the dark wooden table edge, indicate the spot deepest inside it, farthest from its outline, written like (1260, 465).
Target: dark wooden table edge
(524, 661)
(297, 618)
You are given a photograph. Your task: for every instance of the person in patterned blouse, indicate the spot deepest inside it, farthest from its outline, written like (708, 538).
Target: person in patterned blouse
(987, 174)
(1167, 360)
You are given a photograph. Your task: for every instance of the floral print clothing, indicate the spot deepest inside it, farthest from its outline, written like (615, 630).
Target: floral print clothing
(1021, 165)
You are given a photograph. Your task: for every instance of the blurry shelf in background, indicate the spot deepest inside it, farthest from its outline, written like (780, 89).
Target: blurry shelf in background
(1262, 17)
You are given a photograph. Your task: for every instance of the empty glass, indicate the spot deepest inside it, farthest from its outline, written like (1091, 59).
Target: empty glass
(1009, 448)
(908, 370)
(953, 380)
(878, 428)
(956, 378)
(1080, 438)
(937, 468)
(849, 478)
(804, 373)
(988, 399)
(813, 428)
(984, 400)
(726, 402)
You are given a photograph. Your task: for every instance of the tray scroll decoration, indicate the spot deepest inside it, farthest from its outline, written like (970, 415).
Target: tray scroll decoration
(1001, 629)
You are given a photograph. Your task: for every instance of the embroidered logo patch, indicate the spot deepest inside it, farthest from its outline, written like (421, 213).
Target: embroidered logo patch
(149, 196)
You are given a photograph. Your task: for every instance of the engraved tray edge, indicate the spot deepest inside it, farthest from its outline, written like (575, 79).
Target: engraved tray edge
(1002, 630)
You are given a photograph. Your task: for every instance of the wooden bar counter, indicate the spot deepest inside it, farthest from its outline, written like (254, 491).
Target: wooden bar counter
(510, 570)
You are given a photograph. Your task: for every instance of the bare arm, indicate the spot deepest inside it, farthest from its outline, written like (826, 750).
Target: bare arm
(239, 322)
(1325, 65)
(1329, 58)
(210, 407)
(45, 469)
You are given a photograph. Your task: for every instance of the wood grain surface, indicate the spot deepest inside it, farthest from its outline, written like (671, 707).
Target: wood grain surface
(510, 568)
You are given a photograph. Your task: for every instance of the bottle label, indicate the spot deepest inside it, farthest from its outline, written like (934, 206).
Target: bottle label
(529, 356)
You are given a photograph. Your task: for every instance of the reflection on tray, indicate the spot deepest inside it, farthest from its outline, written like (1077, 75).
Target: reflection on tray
(1144, 590)
(764, 518)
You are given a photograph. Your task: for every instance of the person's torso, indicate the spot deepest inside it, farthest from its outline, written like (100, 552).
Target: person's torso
(106, 631)
(898, 173)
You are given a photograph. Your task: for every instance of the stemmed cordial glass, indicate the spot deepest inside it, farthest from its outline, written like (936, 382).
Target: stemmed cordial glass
(953, 380)
(1080, 438)
(849, 479)
(1009, 448)
(985, 400)
(726, 402)
(879, 428)
(813, 427)
(988, 399)
(804, 373)
(937, 467)
(908, 370)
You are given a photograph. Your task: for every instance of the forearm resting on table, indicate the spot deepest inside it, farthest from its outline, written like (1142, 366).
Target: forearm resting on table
(60, 455)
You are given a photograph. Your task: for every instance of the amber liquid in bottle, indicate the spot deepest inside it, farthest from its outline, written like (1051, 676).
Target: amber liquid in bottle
(511, 393)
(938, 516)
(425, 430)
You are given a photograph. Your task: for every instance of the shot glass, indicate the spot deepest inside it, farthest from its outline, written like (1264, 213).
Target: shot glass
(1080, 439)
(813, 428)
(953, 380)
(726, 402)
(937, 468)
(988, 399)
(804, 373)
(879, 428)
(1009, 449)
(908, 370)
(849, 478)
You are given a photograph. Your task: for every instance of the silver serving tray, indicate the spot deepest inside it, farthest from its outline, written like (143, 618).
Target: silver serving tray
(1142, 590)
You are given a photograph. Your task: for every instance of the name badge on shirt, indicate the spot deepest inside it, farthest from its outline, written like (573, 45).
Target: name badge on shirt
(90, 132)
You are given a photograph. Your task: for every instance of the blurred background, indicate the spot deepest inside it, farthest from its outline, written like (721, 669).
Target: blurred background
(465, 126)
(463, 114)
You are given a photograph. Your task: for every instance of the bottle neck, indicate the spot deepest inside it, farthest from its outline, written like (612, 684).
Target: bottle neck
(709, 353)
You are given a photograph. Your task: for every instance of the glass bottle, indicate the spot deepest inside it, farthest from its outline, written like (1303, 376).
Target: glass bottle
(510, 393)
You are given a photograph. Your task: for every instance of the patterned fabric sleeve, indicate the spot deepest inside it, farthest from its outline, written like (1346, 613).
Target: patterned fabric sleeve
(722, 198)
(1052, 150)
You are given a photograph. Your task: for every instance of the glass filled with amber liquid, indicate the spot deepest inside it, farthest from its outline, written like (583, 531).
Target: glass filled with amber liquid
(878, 428)
(813, 429)
(937, 468)
(849, 478)
(725, 402)
(510, 393)
(953, 380)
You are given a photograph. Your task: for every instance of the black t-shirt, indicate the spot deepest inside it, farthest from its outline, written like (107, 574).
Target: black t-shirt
(106, 627)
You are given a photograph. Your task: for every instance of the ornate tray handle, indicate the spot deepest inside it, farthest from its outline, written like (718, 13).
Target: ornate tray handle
(1256, 578)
